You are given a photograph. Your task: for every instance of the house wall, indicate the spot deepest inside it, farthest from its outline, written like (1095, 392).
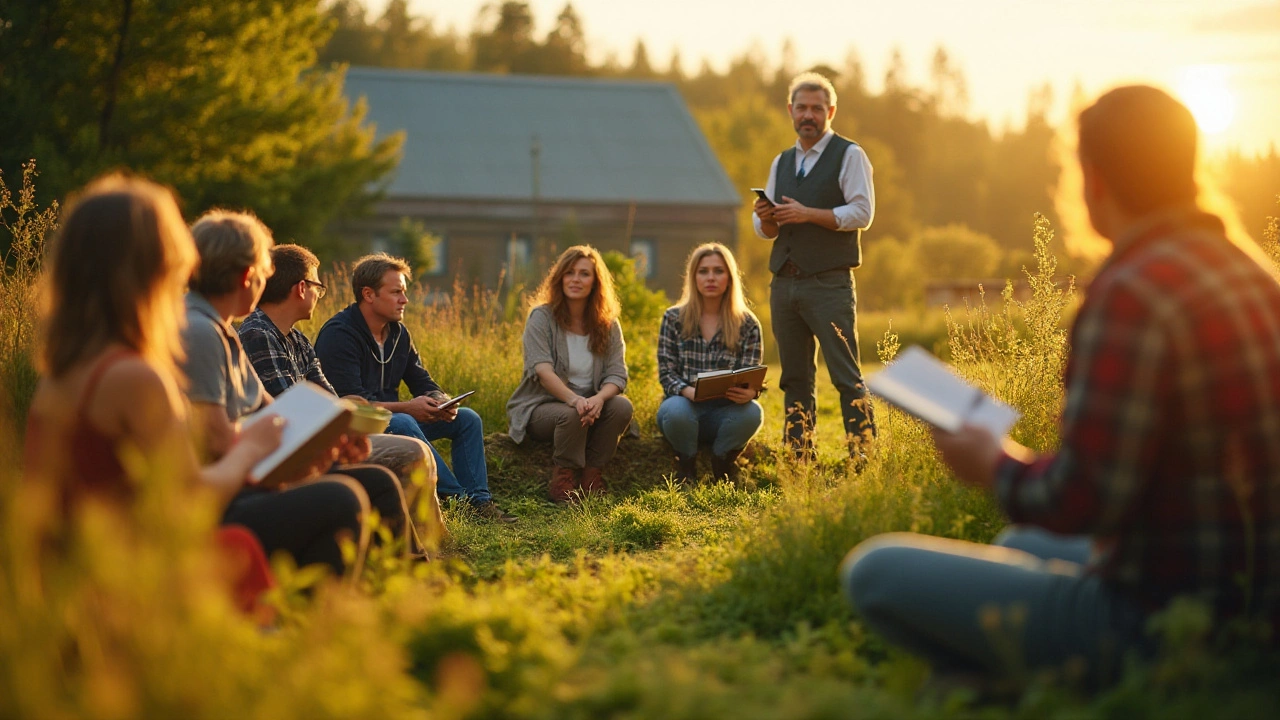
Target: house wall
(476, 235)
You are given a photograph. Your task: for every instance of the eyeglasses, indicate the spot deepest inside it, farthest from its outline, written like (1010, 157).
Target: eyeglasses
(319, 286)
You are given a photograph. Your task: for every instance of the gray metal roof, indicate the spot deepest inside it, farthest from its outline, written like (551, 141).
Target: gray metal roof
(468, 136)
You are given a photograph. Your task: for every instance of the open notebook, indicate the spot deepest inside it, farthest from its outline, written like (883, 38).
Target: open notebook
(925, 387)
(314, 420)
(714, 384)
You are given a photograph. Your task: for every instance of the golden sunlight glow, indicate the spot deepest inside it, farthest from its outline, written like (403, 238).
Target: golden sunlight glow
(1205, 90)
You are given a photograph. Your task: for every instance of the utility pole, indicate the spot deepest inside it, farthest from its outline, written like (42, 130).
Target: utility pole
(535, 155)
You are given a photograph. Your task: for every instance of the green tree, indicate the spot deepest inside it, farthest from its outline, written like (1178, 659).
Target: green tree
(503, 39)
(955, 252)
(218, 100)
(893, 279)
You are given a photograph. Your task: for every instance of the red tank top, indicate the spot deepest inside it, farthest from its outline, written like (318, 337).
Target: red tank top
(93, 467)
(95, 470)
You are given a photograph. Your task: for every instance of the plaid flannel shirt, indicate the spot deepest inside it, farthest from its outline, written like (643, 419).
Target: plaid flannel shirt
(680, 359)
(1170, 437)
(281, 361)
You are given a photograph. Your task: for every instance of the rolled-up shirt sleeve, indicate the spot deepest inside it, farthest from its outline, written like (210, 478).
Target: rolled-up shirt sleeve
(859, 191)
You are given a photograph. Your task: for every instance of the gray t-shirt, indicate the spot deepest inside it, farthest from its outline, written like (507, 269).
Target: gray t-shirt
(218, 370)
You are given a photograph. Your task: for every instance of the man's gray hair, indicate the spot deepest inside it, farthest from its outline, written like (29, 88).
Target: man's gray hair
(812, 81)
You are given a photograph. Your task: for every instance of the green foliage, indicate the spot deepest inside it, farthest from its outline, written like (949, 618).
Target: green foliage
(26, 226)
(1271, 237)
(955, 252)
(1022, 367)
(218, 100)
(709, 601)
(641, 307)
(414, 243)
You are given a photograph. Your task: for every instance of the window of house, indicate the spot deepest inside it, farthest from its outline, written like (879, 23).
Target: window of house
(436, 252)
(644, 250)
(519, 253)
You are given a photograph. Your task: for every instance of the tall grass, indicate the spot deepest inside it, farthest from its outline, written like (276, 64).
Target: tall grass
(656, 602)
(470, 338)
(25, 227)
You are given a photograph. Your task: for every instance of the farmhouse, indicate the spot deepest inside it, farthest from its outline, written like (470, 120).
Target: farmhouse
(503, 170)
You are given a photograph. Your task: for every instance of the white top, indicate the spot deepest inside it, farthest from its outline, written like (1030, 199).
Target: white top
(580, 364)
(855, 182)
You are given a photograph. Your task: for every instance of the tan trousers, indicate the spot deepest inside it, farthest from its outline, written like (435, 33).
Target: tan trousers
(573, 445)
(413, 463)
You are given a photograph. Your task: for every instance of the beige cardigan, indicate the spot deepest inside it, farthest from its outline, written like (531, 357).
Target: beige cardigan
(545, 341)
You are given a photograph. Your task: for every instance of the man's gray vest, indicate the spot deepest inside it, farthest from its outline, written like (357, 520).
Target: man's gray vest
(810, 247)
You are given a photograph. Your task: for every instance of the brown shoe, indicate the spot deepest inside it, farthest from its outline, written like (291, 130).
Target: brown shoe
(563, 483)
(726, 467)
(686, 468)
(593, 481)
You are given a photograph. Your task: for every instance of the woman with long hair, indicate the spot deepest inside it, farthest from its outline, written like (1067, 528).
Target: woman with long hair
(711, 328)
(108, 412)
(574, 373)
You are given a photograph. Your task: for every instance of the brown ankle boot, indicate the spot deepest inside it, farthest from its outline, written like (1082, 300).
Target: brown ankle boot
(726, 467)
(686, 468)
(593, 481)
(563, 483)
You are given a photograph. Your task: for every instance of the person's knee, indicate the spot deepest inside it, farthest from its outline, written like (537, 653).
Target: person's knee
(870, 570)
(752, 414)
(406, 426)
(343, 502)
(469, 419)
(619, 406)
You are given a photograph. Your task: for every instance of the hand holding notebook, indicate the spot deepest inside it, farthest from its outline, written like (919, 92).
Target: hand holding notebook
(926, 388)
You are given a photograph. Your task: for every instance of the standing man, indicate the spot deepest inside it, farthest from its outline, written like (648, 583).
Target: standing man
(1166, 479)
(283, 357)
(365, 350)
(823, 200)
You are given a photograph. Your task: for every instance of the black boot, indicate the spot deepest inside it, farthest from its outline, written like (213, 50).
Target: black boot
(686, 468)
(727, 466)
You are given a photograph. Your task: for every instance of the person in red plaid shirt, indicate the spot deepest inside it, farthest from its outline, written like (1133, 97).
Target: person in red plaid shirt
(1167, 481)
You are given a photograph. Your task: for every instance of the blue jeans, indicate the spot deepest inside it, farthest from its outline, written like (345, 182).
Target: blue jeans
(721, 423)
(469, 479)
(1023, 603)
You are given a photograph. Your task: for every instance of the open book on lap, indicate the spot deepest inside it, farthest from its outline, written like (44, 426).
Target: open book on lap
(314, 420)
(926, 388)
(714, 384)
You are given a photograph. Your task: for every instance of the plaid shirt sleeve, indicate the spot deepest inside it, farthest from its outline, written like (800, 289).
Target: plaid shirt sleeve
(750, 345)
(669, 354)
(314, 372)
(1116, 378)
(269, 357)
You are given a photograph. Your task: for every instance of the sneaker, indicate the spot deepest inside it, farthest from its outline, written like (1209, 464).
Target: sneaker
(490, 511)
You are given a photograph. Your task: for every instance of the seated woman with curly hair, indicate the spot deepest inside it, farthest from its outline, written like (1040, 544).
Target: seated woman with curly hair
(574, 374)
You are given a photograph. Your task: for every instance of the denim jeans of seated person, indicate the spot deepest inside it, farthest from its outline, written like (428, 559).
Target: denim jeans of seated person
(722, 423)
(1024, 603)
(469, 478)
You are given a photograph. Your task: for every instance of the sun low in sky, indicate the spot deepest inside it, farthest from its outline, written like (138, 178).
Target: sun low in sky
(1206, 91)
(1221, 57)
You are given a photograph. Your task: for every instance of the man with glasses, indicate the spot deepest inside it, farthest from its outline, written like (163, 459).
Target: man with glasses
(283, 356)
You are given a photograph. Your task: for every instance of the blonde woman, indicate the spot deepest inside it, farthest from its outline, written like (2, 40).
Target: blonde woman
(710, 329)
(574, 373)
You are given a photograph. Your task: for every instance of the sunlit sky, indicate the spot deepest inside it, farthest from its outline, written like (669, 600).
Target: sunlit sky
(1222, 57)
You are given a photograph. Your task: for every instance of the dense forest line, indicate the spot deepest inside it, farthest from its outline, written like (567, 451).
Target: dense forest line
(240, 104)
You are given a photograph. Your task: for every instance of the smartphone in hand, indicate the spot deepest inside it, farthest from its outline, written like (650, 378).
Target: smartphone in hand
(455, 400)
(760, 194)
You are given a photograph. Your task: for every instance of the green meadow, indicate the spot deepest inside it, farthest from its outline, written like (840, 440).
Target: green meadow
(657, 601)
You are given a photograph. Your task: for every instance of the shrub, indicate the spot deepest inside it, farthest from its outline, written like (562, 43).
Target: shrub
(26, 227)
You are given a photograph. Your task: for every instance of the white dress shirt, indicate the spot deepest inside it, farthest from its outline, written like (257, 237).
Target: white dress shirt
(855, 182)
